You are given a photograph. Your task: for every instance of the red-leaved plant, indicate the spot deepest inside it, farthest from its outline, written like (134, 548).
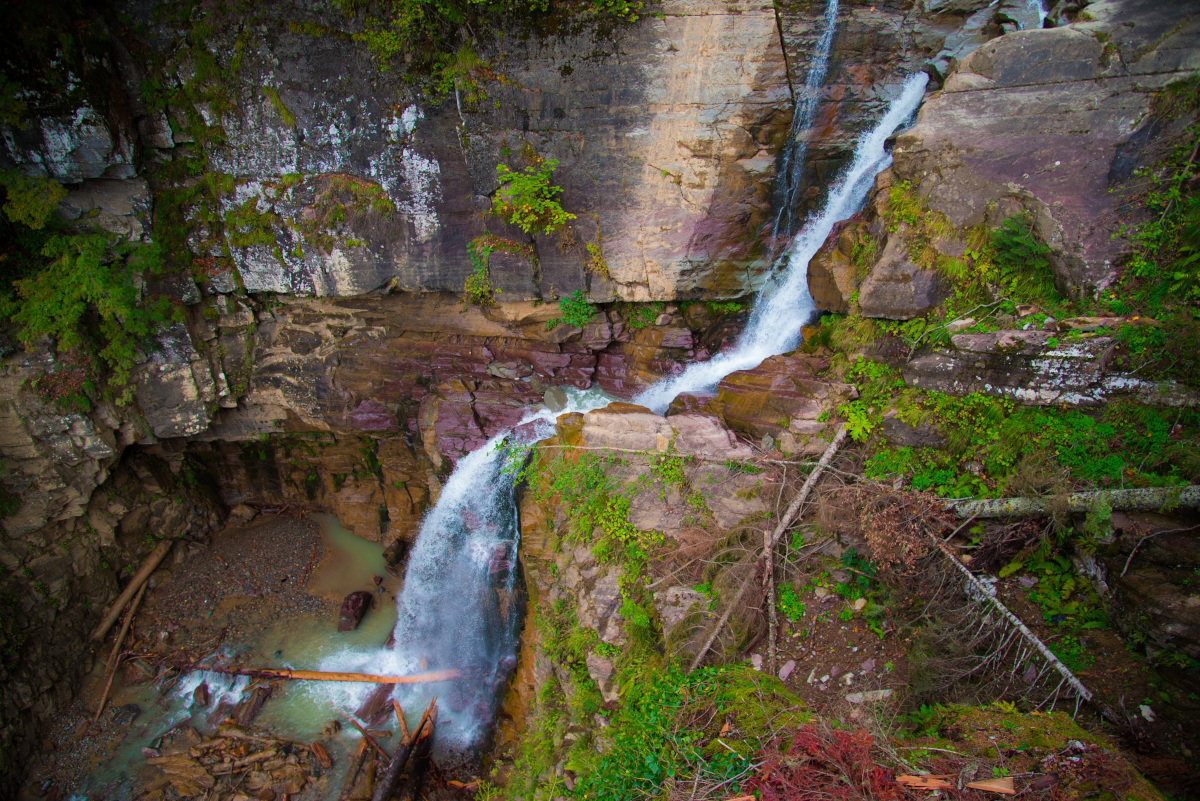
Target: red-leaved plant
(823, 764)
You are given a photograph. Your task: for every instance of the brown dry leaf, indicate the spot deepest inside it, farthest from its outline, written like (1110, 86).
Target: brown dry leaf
(1004, 786)
(725, 729)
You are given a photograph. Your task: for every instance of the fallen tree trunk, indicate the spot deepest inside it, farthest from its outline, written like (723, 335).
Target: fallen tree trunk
(115, 657)
(983, 592)
(134, 585)
(387, 785)
(770, 541)
(1151, 498)
(317, 675)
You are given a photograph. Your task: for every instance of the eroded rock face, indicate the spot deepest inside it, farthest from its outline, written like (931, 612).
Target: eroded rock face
(1048, 121)
(1035, 367)
(58, 578)
(666, 133)
(1154, 603)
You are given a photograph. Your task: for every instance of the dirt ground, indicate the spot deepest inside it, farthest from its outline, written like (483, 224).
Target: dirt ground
(219, 598)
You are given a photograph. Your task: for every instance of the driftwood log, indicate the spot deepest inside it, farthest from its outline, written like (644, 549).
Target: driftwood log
(387, 785)
(115, 657)
(134, 585)
(318, 675)
(1134, 499)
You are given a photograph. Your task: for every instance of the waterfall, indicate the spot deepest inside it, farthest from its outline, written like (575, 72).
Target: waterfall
(792, 165)
(456, 609)
(1038, 7)
(784, 304)
(458, 605)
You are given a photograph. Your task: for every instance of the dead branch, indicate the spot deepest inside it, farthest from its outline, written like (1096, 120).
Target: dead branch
(770, 542)
(1029, 636)
(115, 656)
(1133, 553)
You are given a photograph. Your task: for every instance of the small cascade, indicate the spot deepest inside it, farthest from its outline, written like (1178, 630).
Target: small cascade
(784, 305)
(792, 164)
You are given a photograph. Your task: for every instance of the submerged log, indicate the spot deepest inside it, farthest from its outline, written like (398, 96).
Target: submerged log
(317, 675)
(377, 705)
(248, 710)
(354, 609)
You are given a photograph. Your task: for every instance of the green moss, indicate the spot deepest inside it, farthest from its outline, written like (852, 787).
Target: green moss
(271, 94)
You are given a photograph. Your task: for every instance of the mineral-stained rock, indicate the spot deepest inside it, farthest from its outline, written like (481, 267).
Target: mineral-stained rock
(1047, 121)
(766, 399)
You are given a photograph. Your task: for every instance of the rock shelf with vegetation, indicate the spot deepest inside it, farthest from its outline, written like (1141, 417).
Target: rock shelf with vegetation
(262, 260)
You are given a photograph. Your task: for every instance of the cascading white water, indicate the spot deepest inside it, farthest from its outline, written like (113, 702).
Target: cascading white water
(784, 304)
(456, 608)
(791, 168)
(1040, 7)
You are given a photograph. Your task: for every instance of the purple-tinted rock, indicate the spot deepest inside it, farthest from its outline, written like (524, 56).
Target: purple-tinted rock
(354, 608)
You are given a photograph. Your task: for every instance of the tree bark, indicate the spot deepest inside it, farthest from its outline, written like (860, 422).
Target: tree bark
(1151, 498)
(317, 675)
(387, 785)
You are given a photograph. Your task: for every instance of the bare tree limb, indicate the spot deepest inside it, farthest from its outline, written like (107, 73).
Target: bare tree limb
(770, 541)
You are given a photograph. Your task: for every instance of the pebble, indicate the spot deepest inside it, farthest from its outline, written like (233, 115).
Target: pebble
(869, 696)
(787, 669)
(868, 666)
(756, 661)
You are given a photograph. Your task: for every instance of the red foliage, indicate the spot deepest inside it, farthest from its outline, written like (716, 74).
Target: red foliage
(823, 764)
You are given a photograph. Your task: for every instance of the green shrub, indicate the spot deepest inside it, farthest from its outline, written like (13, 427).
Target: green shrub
(527, 199)
(575, 310)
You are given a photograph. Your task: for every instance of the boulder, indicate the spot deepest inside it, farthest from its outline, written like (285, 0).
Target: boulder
(767, 399)
(354, 609)
(897, 289)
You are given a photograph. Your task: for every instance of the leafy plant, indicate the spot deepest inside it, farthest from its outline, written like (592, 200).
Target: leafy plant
(576, 311)
(526, 198)
(1023, 259)
(790, 604)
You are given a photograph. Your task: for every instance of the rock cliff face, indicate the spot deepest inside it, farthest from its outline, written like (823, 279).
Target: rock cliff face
(1053, 122)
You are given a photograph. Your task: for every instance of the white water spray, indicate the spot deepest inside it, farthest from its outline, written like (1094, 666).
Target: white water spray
(784, 304)
(458, 605)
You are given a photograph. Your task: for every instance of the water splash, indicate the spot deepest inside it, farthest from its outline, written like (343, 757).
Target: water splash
(458, 607)
(792, 166)
(784, 305)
